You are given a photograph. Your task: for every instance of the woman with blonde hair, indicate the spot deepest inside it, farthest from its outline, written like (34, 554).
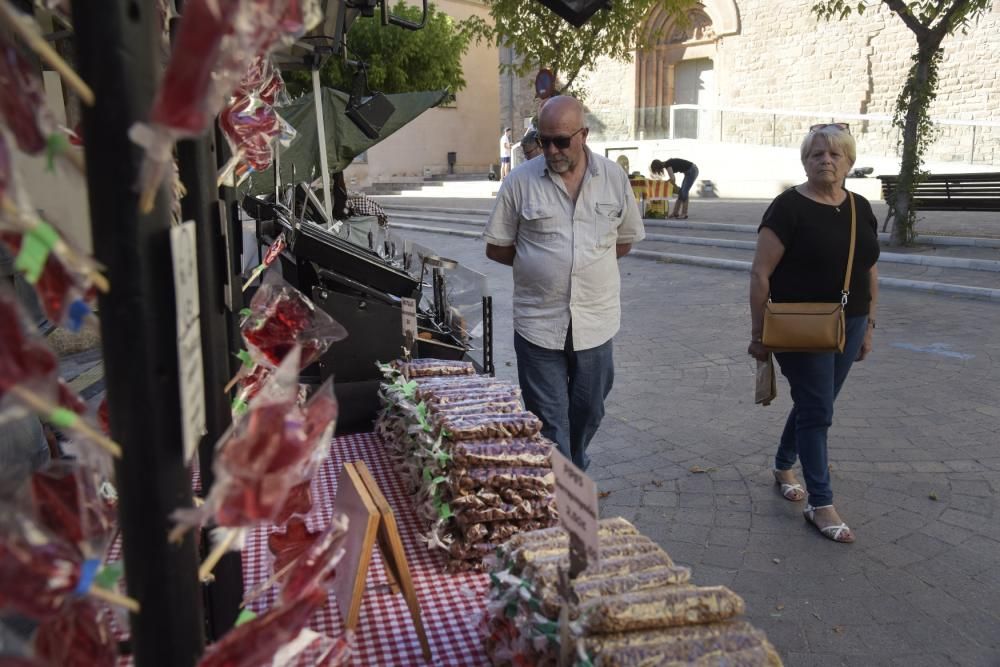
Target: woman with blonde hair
(802, 251)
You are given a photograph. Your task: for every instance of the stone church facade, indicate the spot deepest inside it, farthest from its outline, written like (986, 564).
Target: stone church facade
(761, 71)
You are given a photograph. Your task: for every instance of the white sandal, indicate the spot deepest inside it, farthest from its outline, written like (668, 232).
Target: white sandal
(834, 532)
(787, 488)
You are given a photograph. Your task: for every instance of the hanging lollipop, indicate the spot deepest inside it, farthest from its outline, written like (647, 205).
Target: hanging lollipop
(317, 564)
(28, 376)
(67, 501)
(274, 448)
(80, 636)
(40, 574)
(25, 111)
(281, 317)
(257, 641)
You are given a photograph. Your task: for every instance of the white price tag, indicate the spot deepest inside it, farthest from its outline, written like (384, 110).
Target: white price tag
(189, 362)
(409, 307)
(576, 499)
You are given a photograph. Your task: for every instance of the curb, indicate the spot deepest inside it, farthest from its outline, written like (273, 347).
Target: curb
(738, 265)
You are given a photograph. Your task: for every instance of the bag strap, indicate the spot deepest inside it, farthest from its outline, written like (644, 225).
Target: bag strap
(850, 253)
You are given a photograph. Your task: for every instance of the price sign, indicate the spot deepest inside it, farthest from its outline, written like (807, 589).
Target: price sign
(576, 498)
(409, 307)
(189, 362)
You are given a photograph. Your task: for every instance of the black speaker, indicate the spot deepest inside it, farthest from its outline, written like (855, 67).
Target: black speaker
(576, 12)
(370, 114)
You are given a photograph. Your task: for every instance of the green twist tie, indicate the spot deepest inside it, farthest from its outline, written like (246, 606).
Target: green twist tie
(55, 145)
(444, 511)
(245, 358)
(35, 248)
(239, 406)
(410, 389)
(109, 576)
(245, 312)
(245, 617)
(62, 418)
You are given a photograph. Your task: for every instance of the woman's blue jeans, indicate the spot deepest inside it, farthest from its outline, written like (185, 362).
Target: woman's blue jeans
(815, 380)
(566, 390)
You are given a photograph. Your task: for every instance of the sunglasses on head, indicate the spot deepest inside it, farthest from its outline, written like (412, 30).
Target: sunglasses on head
(840, 126)
(562, 143)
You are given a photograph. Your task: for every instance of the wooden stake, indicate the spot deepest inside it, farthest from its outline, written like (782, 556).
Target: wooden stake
(115, 599)
(218, 551)
(46, 408)
(27, 30)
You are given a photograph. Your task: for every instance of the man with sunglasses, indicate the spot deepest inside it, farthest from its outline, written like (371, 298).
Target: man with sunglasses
(562, 223)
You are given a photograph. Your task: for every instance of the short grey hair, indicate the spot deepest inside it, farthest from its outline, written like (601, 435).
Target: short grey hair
(835, 137)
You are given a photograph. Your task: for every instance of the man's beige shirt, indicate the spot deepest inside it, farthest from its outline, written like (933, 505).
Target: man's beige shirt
(565, 265)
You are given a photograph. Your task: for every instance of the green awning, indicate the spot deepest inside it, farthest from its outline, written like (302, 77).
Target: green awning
(344, 141)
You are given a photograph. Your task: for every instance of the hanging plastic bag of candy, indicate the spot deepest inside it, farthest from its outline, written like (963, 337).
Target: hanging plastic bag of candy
(316, 565)
(24, 110)
(41, 574)
(66, 499)
(79, 636)
(66, 278)
(281, 317)
(257, 641)
(257, 461)
(28, 377)
(185, 102)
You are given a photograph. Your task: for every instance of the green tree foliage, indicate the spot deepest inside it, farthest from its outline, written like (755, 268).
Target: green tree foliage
(930, 21)
(398, 60)
(542, 39)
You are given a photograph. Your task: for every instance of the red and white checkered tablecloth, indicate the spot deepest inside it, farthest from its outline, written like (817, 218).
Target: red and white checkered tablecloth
(451, 604)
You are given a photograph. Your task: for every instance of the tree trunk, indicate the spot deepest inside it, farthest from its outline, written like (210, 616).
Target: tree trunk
(916, 106)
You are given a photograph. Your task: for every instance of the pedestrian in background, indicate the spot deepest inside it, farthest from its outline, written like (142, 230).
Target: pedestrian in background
(672, 167)
(562, 223)
(505, 148)
(529, 145)
(802, 252)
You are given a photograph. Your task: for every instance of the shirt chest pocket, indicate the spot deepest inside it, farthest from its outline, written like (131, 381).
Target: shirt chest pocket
(607, 220)
(538, 224)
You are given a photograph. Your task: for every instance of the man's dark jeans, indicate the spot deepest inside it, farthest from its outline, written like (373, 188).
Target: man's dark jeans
(566, 389)
(815, 380)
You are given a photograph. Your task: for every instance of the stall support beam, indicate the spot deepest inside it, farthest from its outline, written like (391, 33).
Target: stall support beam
(117, 55)
(198, 167)
(321, 138)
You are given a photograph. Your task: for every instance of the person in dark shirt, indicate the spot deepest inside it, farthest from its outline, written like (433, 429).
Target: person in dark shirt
(802, 249)
(673, 166)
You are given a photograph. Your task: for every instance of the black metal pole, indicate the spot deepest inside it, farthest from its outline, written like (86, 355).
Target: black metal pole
(197, 165)
(117, 56)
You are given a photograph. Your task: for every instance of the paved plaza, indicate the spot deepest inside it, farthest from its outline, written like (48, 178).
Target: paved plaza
(685, 454)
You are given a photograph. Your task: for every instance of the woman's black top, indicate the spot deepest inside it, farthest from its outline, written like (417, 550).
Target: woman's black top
(678, 165)
(816, 238)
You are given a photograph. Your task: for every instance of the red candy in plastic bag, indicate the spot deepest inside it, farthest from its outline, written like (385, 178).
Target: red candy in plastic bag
(39, 573)
(23, 99)
(180, 103)
(282, 316)
(22, 359)
(255, 643)
(318, 563)
(291, 544)
(299, 501)
(67, 502)
(78, 637)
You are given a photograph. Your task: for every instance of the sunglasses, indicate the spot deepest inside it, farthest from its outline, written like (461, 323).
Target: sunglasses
(840, 126)
(562, 143)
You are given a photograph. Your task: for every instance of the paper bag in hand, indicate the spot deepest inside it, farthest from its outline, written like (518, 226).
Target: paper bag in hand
(767, 386)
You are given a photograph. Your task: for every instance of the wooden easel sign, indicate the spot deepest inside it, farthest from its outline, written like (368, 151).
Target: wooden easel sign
(371, 522)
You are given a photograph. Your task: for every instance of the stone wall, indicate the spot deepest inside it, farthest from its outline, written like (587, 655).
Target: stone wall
(783, 58)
